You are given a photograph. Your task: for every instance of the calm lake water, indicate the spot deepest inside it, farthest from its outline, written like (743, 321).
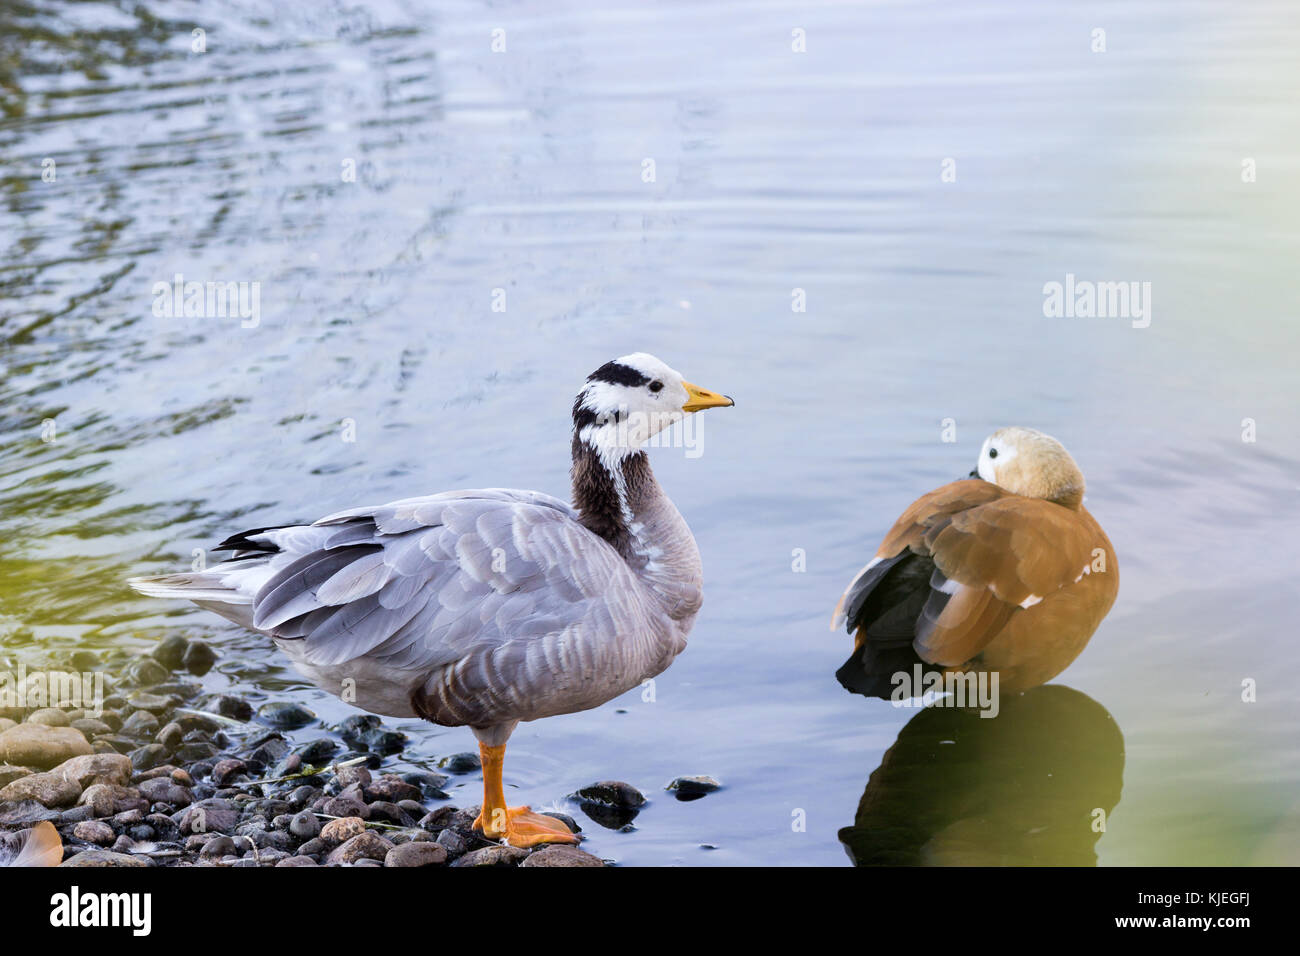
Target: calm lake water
(825, 171)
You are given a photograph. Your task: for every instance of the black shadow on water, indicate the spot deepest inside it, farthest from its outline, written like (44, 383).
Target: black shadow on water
(1020, 789)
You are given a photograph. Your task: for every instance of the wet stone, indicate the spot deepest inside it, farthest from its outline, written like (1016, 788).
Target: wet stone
(199, 658)
(558, 854)
(366, 845)
(170, 651)
(692, 788)
(228, 706)
(461, 763)
(148, 756)
(493, 856)
(285, 715)
(317, 752)
(416, 854)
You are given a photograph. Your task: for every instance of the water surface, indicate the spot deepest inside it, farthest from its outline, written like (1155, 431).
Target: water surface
(520, 177)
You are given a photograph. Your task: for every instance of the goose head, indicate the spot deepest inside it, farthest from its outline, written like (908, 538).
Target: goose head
(1027, 462)
(629, 400)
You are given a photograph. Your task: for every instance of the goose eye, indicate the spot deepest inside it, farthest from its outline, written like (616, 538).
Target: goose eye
(993, 453)
(656, 386)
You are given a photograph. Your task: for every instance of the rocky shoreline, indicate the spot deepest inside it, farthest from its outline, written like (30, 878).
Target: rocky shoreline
(161, 772)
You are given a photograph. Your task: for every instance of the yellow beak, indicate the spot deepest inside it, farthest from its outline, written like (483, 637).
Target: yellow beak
(701, 398)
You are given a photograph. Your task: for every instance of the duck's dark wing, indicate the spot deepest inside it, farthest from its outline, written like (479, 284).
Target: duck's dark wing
(951, 573)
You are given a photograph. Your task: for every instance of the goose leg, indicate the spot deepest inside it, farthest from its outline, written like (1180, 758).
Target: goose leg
(518, 826)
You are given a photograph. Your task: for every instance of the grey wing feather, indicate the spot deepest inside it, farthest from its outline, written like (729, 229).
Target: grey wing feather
(425, 582)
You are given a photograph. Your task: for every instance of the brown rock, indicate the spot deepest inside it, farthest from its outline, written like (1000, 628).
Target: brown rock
(105, 858)
(9, 773)
(94, 831)
(50, 716)
(48, 789)
(108, 799)
(340, 831)
(558, 854)
(363, 846)
(37, 745)
(90, 769)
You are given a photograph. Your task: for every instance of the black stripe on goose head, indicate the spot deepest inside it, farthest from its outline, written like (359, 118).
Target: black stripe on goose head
(615, 373)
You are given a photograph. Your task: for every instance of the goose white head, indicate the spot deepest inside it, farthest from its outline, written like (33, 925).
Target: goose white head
(1027, 462)
(628, 401)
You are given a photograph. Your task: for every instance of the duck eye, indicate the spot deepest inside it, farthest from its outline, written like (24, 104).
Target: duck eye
(656, 386)
(993, 453)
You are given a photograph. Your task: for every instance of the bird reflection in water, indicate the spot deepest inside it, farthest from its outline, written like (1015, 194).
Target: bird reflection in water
(1033, 786)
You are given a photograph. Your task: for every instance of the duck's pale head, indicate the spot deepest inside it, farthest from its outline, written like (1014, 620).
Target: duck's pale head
(629, 400)
(1027, 462)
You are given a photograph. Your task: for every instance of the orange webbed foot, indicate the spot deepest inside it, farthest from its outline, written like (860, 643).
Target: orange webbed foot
(520, 827)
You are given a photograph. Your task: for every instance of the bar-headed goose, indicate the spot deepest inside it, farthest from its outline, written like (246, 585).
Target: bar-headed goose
(1005, 572)
(485, 608)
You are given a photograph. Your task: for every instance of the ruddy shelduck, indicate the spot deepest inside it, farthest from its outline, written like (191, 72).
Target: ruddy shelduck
(1003, 573)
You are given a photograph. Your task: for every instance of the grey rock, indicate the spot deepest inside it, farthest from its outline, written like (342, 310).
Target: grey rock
(163, 790)
(362, 846)
(141, 723)
(285, 715)
(692, 788)
(558, 854)
(461, 763)
(305, 825)
(493, 856)
(416, 854)
(452, 842)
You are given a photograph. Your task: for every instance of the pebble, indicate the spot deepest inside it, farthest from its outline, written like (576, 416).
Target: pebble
(452, 842)
(199, 658)
(416, 854)
(343, 807)
(163, 790)
(305, 825)
(97, 768)
(493, 856)
(614, 793)
(109, 799)
(140, 723)
(692, 788)
(461, 763)
(50, 789)
(94, 831)
(362, 846)
(41, 746)
(171, 651)
(285, 715)
(558, 854)
(49, 716)
(226, 771)
(340, 831)
(171, 736)
(106, 858)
